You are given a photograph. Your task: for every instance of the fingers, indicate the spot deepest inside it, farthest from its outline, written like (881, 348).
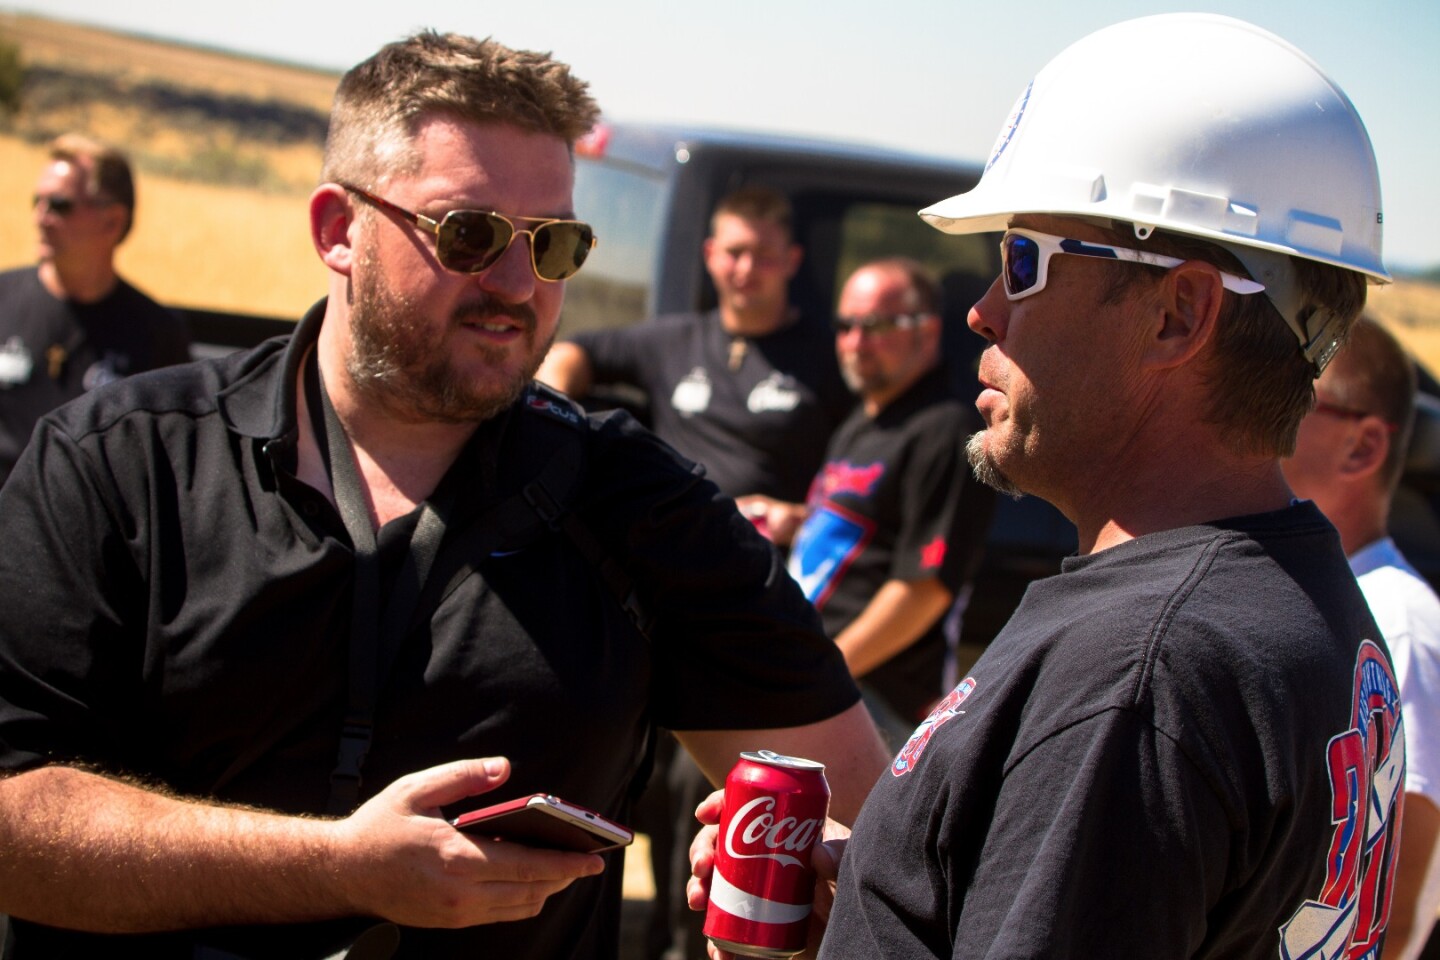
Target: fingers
(826, 859)
(709, 809)
(507, 861)
(452, 782)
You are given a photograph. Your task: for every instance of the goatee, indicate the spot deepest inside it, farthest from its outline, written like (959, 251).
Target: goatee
(985, 469)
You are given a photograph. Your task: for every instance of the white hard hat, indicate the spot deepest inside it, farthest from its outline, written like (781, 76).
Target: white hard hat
(1198, 124)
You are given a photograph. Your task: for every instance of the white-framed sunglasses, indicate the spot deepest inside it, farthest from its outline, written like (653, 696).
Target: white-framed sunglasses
(1025, 261)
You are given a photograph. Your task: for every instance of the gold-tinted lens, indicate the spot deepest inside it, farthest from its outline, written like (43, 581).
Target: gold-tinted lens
(559, 249)
(469, 241)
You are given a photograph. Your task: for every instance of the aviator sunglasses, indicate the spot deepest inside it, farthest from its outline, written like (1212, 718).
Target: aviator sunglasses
(60, 206)
(1025, 257)
(469, 241)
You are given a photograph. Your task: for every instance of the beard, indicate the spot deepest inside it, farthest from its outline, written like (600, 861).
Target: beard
(402, 363)
(860, 382)
(986, 470)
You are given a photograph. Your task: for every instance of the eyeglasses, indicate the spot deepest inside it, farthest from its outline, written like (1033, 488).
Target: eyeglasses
(60, 206)
(876, 324)
(1025, 256)
(1350, 413)
(469, 241)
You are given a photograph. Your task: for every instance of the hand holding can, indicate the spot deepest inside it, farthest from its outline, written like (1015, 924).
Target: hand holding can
(763, 879)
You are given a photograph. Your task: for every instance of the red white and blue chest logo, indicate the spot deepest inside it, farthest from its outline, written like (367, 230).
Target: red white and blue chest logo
(833, 536)
(945, 711)
(1345, 920)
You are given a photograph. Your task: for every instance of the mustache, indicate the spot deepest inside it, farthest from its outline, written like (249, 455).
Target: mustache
(492, 309)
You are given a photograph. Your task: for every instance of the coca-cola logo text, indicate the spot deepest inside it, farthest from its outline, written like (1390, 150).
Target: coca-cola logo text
(756, 826)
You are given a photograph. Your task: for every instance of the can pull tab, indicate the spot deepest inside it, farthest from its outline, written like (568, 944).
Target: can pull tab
(774, 759)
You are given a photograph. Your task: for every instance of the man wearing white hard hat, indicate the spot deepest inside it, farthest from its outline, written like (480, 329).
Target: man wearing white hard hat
(1188, 743)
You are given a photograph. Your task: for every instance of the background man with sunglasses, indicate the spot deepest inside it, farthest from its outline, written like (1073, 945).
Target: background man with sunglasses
(72, 323)
(893, 527)
(1349, 455)
(373, 570)
(1187, 743)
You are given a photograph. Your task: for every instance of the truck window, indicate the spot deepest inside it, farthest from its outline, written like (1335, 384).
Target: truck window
(626, 208)
(869, 231)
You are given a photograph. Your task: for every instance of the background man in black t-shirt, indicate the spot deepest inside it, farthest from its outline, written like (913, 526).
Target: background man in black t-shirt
(750, 389)
(71, 323)
(893, 526)
(1189, 742)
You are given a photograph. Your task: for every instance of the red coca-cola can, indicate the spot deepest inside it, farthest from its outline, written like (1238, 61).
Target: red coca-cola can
(763, 884)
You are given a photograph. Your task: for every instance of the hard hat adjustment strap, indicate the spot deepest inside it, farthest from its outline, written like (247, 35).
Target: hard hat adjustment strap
(1319, 335)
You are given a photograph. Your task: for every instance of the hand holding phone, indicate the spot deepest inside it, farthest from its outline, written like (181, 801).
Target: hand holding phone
(542, 820)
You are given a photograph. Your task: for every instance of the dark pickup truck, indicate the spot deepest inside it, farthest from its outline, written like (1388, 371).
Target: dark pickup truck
(649, 191)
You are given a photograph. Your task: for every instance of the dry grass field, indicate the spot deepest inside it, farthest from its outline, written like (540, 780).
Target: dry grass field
(193, 245)
(252, 129)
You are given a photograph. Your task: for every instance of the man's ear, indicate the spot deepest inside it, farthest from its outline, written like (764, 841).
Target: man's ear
(1368, 448)
(1186, 313)
(794, 254)
(332, 226)
(113, 218)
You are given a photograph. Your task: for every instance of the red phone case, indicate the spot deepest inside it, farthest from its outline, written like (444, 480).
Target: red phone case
(541, 820)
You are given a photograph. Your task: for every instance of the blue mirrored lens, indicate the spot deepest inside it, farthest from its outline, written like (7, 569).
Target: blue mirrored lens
(1022, 263)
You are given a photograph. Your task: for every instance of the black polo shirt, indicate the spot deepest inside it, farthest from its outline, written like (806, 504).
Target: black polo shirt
(179, 605)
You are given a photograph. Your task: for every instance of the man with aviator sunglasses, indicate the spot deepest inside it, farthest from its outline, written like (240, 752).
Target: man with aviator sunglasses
(279, 617)
(72, 323)
(1188, 743)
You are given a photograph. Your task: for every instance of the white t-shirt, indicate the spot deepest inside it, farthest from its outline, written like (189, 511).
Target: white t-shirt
(1408, 614)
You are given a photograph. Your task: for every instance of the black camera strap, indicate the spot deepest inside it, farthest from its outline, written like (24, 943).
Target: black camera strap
(375, 639)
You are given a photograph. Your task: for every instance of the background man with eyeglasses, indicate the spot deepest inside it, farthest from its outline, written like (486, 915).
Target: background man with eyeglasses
(1348, 458)
(373, 570)
(893, 526)
(72, 323)
(1188, 743)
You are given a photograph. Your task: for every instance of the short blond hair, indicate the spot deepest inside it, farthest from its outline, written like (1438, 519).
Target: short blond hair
(381, 102)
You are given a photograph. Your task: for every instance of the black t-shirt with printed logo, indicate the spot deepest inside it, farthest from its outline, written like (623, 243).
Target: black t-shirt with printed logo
(1187, 745)
(895, 500)
(52, 351)
(755, 411)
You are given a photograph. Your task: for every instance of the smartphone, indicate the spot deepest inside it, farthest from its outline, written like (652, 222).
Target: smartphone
(541, 820)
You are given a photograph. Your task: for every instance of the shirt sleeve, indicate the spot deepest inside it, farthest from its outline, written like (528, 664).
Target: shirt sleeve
(735, 645)
(616, 355)
(1105, 842)
(71, 585)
